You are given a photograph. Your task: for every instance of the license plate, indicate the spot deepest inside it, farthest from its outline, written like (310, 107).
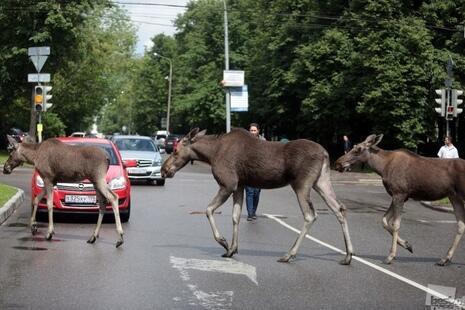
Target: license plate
(137, 171)
(87, 199)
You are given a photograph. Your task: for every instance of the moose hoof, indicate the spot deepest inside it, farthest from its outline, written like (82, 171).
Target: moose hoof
(92, 239)
(286, 258)
(223, 243)
(49, 236)
(346, 260)
(409, 247)
(443, 262)
(229, 253)
(34, 228)
(388, 260)
(119, 243)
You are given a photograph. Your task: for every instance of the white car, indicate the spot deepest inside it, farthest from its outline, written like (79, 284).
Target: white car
(146, 153)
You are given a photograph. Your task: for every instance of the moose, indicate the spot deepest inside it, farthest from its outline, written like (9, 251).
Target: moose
(56, 162)
(408, 175)
(238, 159)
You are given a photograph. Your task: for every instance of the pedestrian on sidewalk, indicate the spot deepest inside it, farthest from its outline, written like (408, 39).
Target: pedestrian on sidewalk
(252, 194)
(448, 150)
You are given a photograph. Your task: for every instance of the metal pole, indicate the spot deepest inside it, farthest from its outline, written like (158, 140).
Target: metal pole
(169, 97)
(226, 66)
(170, 78)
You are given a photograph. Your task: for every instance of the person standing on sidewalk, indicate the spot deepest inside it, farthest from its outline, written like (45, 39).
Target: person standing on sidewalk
(252, 194)
(448, 150)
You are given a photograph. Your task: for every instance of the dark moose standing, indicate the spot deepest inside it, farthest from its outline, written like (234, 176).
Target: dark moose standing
(238, 159)
(407, 175)
(56, 162)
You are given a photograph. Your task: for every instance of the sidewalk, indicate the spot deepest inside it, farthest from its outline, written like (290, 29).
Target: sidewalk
(11, 205)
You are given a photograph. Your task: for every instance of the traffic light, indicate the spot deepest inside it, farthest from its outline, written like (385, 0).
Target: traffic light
(39, 98)
(47, 97)
(456, 101)
(441, 101)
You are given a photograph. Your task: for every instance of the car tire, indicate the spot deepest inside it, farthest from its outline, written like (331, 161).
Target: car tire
(125, 216)
(160, 182)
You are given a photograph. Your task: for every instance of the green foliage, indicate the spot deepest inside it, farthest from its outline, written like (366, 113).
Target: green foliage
(91, 43)
(315, 69)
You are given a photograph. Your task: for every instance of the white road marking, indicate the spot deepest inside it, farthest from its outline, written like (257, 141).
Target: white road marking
(419, 286)
(217, 299)
(438, 221)
(227, 265)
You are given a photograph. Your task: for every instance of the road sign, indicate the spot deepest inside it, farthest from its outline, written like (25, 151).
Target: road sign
(38, 61)
(39, 51)
(233, 78)
(38, 77)
(239, 99)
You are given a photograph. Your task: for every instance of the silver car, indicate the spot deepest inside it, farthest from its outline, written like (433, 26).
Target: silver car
(146, 153)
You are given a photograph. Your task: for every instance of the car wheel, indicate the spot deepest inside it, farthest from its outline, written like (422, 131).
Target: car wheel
(160, 182)
(126, 214)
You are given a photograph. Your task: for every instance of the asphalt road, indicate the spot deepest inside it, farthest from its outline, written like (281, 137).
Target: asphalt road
(170, 260)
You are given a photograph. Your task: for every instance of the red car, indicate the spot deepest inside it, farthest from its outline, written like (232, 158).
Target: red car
(80, 197)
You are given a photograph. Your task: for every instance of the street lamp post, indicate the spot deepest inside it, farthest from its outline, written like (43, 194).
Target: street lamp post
(169, 90)
(226, 66)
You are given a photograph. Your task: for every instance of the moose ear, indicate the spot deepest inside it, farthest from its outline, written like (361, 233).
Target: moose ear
(12, 141)
(378, 139)
(373, 140)
(192, 133)
(198, 135)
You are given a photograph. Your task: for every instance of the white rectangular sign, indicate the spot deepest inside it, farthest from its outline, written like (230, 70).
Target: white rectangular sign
(239, 99)
(38, 77)
(39, 50)
(233, 78)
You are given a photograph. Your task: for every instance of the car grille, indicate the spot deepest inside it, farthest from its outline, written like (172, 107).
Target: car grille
(80, 187)
(144, 163)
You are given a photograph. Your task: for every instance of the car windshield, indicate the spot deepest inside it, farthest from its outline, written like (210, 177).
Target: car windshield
(107, 148)
(135, 144)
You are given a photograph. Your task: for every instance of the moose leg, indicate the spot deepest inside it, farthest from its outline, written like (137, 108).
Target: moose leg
(387, 219)
(48, 187)
(113, 198)
(35, 204)
(217, 201)
(101, 212)
(326, 191)
(238, 199)
(397, 205)
(460, 215)
(306, 206)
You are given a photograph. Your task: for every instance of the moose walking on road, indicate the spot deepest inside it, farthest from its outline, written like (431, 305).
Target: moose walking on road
(407, 175)
(56, 162)
(238, 159)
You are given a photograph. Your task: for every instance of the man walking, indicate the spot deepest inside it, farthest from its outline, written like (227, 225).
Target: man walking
(448, 150)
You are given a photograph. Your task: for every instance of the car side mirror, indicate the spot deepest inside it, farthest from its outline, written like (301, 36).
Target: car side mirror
(129, 163)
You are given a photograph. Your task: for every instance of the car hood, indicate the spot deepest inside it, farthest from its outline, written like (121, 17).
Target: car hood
(140, 155)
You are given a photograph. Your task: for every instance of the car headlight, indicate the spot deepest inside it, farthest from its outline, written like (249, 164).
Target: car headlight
(156, 163)
(117, 183)
(39, 181)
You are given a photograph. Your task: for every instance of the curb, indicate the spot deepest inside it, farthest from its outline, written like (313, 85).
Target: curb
(429, 205)
(11, 205)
